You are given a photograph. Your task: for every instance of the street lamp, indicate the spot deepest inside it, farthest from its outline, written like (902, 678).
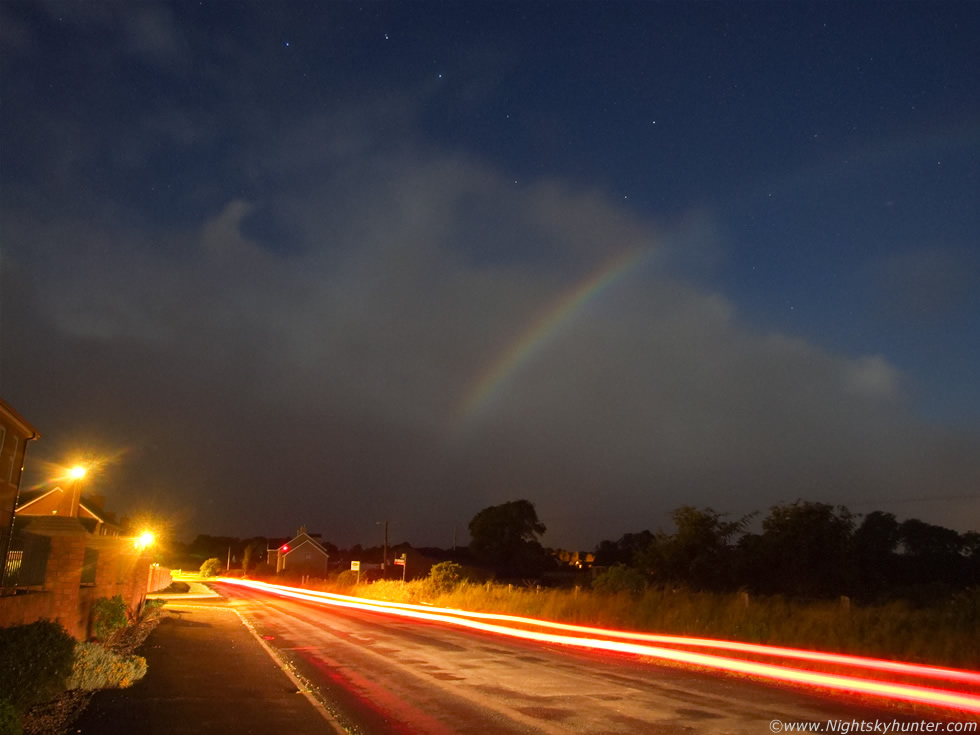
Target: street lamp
(76, 473)
(144, 539)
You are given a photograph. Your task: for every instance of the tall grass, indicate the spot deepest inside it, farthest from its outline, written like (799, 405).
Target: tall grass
(944, 634)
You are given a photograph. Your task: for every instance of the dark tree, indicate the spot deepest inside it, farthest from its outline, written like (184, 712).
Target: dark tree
(505, 538)
(932, 556)
(624, 551)
(699, 554)
(971, 552)
(874, 545)
(804, 550)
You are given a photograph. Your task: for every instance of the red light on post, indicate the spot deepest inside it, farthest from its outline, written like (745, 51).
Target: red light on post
(284, 548)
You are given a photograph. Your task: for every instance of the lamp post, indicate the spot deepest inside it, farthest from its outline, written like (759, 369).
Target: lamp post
(77, 473)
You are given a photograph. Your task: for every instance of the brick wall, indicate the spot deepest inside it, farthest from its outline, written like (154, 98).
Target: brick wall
(120, 569)
(160, 578)
(26, 608)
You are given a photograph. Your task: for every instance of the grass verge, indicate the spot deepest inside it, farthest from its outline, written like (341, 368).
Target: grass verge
(943, 634)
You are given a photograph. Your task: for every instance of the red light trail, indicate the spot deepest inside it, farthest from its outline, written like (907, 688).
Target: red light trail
(962, 701)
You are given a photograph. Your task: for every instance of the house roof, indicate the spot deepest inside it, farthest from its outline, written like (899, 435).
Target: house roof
(31, 497)
(303, 539)
(37, 497)
(7, 410)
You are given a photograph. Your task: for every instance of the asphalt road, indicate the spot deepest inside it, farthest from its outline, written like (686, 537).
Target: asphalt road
(377, 673)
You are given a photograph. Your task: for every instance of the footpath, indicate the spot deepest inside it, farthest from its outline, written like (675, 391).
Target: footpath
(207, 674)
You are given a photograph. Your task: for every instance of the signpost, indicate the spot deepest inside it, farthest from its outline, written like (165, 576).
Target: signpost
(355, 566)
(400, 561)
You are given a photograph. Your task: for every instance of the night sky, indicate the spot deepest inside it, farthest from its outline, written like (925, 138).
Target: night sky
(335, 263)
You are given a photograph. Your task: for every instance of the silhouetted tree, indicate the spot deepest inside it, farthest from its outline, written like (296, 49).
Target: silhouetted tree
(803, 551)
(624, 551)
(931, 556)
(248, 558)
(875, 542)
(699, 554)
(971, 551)
(505, 537)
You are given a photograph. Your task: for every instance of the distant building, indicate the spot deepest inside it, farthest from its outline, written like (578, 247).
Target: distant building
(302, 554)
(15, 433)
(577, 559)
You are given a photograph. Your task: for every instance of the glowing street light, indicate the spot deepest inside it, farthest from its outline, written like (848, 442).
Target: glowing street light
(144, 539)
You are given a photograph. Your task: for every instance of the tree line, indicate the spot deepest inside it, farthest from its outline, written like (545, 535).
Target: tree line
(804, 549)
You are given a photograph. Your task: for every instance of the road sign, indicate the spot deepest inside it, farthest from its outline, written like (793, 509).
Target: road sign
(355, 566)
(400, 561)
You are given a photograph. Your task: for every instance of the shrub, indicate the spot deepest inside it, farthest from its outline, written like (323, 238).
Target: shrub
(211, 567)
(152, 605)
(620, 579)
(176, 588)
(108, 616)
(35, 661)
(347, 578)
(262, 570)
(9, 719)
(96, 667)
(446, 575)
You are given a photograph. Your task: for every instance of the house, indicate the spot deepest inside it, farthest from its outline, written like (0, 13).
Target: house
(57, 502)
(577, 559)
(302, 555)
(15, 433)
(64, 553)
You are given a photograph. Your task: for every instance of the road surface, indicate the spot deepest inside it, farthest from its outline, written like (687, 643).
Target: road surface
(377, 674)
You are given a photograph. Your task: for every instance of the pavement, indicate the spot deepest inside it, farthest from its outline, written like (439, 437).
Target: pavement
(208, 673)
(197, 591)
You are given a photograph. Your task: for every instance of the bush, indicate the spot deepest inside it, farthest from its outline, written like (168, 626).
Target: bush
(9, 719)
(347, 578)
(262, 570)
(211, 567)
(620, 579)
(152, 605)
(176, 588)
(446, 575)
(108, 616)
(35, 661)
(96, 667)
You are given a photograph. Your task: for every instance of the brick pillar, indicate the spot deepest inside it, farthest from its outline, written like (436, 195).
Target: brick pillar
(134, 588)
(63, 579)
(106, 571)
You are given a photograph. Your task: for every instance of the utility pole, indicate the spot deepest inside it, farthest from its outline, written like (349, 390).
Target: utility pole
(228, 565)
(384, 558)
